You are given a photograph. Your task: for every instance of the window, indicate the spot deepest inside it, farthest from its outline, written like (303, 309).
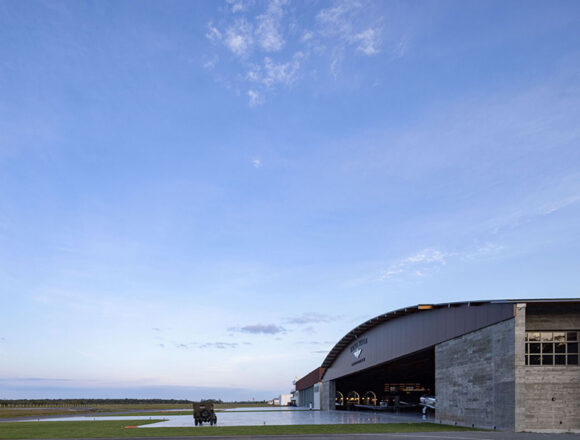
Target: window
(552, 347)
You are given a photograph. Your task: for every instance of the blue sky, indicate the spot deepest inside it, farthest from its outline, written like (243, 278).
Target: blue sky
(198, 199)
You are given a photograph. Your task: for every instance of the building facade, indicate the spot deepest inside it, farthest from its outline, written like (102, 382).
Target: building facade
(505, 364)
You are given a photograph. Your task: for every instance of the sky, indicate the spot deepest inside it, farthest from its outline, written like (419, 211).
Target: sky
(199, 199)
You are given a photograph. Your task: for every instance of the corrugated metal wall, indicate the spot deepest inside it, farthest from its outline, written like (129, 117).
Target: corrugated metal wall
(307, 397)
(415, 332)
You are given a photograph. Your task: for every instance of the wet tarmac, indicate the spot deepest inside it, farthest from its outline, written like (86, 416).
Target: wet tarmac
(270, 416)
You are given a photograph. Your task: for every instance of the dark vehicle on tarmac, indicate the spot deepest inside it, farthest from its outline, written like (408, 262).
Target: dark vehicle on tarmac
(203, 412)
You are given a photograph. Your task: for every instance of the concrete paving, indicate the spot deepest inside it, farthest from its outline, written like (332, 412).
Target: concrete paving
(271, 416)
(257, 418)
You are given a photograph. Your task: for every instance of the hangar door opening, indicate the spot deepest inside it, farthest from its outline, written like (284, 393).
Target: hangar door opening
(394, 385)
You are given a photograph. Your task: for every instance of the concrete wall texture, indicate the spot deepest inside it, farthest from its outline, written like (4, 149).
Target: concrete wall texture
(481, 378)
(551, 398)
(475, 378)
(327, 395)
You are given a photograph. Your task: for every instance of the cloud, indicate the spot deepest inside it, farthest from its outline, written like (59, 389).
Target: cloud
(552, 197)
(335, 20)
(257, 163)
(161, 345)
(320, 351)
(344, 21)
(401, 49)
(282, 73)
(210, 63)
(254, 98)
(426, 261)
(239, 38)
(485, 250)
(237, 5)
(426, 256)
(368, 41)
(157, 329)
(268, 31)
(416, 264)
(219, 345)
(309, 318)
(256, 329)
(271, 48)
(213, 33)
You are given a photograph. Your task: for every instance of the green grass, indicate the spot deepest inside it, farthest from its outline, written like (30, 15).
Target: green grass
(104, 429)
(128, 408)
(74, 411)
(152, 414)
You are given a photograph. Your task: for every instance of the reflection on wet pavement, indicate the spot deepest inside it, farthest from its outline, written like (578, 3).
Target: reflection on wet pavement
(272, 416)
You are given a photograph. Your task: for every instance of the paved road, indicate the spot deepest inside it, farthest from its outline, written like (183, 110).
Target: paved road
(464, 435)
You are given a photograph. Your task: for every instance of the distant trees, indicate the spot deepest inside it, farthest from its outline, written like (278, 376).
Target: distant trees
(43, 403)
(88, 403)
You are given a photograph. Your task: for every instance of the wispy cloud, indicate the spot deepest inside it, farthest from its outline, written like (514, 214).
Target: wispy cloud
(219, 345)
(547, 200)
(310, 318)
(238, 5)
(268, 31)
(282, 73)
(239, 37)
(310, 342)
(256, 329)
(343, 22)
(213, 33)
(255, 98)
(429, 260)
(256, 163)
(417, 264)
(368, 41)
(272, 48)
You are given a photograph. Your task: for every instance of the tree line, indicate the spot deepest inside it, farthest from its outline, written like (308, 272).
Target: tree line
(31, 403)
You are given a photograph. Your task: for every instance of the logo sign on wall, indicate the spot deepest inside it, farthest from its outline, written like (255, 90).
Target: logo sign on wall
(356, 350)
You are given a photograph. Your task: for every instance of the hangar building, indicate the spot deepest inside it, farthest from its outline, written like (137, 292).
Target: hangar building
(502, 364)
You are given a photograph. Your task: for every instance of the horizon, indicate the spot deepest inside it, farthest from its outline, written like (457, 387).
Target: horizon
(204, 197)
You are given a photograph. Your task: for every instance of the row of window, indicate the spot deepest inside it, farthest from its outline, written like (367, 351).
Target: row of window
(552, 348)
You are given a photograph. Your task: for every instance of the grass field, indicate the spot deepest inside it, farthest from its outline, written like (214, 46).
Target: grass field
(133, 409)
(104, 429)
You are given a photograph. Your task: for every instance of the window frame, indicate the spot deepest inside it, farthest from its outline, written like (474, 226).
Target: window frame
(541, 346)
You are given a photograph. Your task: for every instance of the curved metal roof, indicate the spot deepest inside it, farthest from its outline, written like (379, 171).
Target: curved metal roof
(377, 320)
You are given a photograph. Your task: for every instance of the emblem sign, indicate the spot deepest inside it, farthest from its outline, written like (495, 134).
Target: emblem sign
(356, 350)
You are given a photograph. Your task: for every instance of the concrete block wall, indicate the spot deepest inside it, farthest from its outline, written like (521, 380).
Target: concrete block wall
(551, 394)
(552, 399)
(475, 378)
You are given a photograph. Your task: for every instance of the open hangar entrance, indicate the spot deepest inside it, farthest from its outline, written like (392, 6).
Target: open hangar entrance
(394, 385)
